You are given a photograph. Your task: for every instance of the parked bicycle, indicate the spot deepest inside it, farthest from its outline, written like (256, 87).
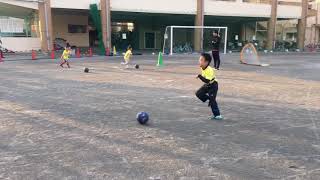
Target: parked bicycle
(186, 48)
(312, 47)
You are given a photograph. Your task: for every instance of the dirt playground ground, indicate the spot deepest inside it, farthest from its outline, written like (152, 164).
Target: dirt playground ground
(68, 125)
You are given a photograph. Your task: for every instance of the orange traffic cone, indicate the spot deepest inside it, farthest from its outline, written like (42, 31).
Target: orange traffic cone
(78, 53)
(1, 56)
(90, 52)
(107, 51)
(33, 55)
(52, 54)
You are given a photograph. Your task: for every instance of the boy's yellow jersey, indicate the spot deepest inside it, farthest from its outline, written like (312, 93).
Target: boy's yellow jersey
(66, 54)
(208, 73)
(127, 55)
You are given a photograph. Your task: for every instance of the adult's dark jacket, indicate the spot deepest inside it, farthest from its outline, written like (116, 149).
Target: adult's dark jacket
(216, 43)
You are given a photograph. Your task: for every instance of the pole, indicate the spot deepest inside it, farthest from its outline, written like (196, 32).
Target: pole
(108, 24)
(202, 24)
(47, 28)
(199, 21)
(165, 39)
(225, 40)
(171, 40)
(316, 24)
(302, 25)
(272, 25)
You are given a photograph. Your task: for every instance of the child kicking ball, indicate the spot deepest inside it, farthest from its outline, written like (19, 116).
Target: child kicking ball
(210, 89)
(127, 56)
(65, 57)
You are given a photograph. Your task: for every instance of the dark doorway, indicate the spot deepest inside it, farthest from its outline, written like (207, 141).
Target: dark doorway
(150, 40)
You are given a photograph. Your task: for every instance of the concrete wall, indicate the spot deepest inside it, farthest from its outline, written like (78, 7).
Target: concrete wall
(212, 7)
(73, 4)
(285, 11)
(60, 29)
(31, 5)
(225, 8)
(152, 6)
(21, 43)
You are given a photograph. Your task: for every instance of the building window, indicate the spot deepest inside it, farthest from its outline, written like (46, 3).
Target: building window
(122, 27)
(18, 27)
(77, 28)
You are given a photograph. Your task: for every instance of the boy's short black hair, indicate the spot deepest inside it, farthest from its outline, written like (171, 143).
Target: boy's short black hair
(216, 31)
(207, 57)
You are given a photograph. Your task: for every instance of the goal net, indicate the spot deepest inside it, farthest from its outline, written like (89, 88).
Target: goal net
(249, 56)
(192, 39)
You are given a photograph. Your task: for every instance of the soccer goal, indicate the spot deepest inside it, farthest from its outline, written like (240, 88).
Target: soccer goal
(181, 39)
(249, 56)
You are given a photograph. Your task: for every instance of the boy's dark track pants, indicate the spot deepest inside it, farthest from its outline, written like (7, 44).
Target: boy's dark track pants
(209, 92)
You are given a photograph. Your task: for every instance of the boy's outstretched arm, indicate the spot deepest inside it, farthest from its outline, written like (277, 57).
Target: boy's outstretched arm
(203, 79)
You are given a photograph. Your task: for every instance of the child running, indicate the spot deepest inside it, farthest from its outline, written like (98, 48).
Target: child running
(127, 56)
(65, 56)
(210, 89)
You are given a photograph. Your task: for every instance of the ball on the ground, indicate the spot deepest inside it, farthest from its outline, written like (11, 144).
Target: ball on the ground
(137, 66)
(86, 70)
(142, 118)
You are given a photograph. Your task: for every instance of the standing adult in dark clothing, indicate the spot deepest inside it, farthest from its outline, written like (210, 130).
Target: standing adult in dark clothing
(215, 49)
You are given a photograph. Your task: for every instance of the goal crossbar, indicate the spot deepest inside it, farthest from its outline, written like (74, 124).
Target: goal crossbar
(196, 27)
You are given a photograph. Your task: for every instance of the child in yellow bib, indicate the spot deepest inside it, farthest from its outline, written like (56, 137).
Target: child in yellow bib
(210, 89)
(127, 56)
(65, 56)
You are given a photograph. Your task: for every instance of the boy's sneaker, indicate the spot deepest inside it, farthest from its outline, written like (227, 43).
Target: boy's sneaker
(217, 117)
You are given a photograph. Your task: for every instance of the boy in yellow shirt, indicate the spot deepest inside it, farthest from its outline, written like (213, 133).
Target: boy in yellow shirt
(210, 89)
(65, 56)
(127, 56)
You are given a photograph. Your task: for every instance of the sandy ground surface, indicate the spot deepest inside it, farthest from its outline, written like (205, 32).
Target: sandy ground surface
(64, 124)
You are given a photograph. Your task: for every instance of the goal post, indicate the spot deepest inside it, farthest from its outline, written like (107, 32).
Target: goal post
(180, 39)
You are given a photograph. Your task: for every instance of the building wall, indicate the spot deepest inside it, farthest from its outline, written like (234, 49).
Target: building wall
(286, 11)
(283, 29)
(163, 6)
(73, 4)
(312, 33)
(225, 8)
(212, 7)
(31, 5)
(21, 43)
(60, 29)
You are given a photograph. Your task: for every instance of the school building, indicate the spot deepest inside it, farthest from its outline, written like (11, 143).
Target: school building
(37, 24)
